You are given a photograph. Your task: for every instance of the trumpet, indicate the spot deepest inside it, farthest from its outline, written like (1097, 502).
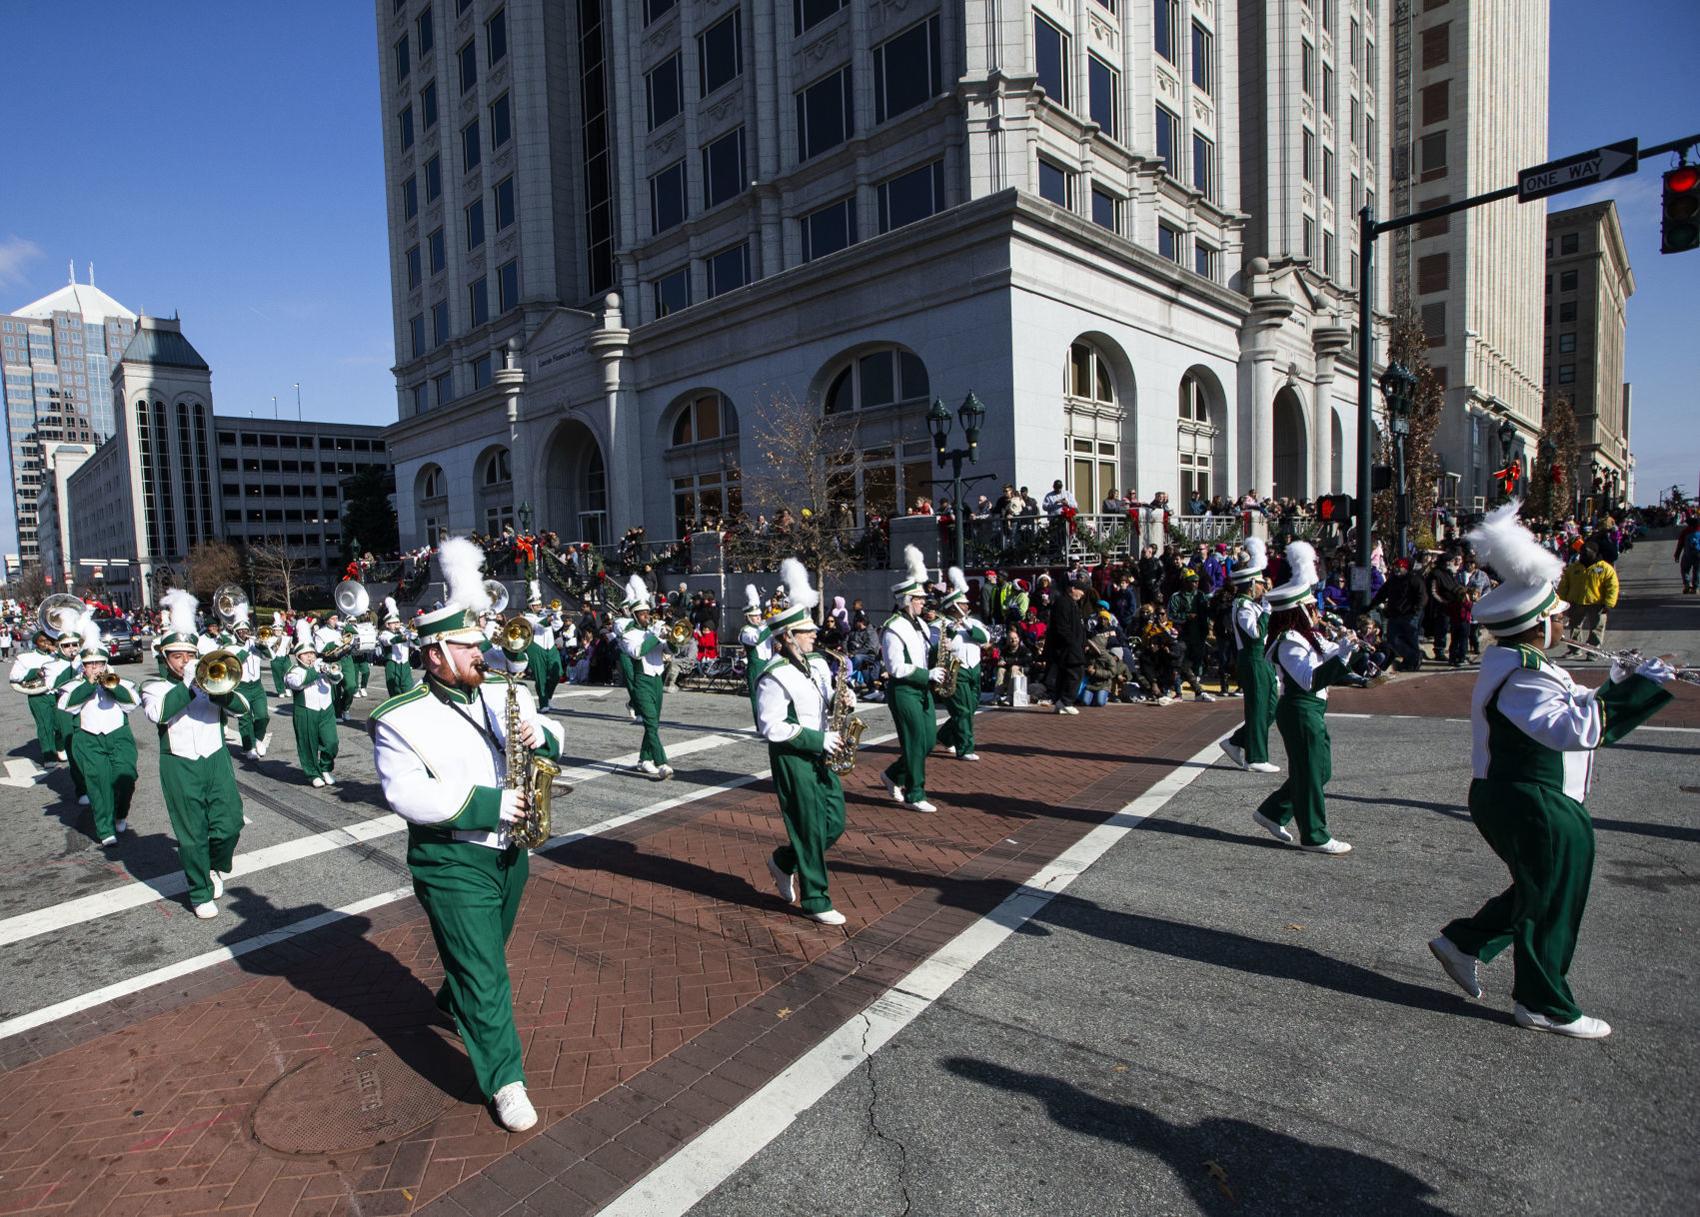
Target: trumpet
(515, 637)
(109, 679)
(678, 633)
(1631, 659)
(218, 673)
(331, 671)
(555, 605)
(265, 634)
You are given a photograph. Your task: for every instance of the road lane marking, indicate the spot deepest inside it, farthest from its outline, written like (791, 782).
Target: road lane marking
(706, 1162)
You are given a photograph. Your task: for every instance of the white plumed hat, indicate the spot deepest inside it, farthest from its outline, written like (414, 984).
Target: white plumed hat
(1301, 577)
(1527, 572)
(914, 581)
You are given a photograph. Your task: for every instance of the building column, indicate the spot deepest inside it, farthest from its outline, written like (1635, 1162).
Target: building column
(1328, 341)
(1262, 421)
(623, 457)
(510, 382)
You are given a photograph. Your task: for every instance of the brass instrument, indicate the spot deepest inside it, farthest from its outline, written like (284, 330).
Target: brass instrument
(60, 613)
(842, 719)
(951, 662)
(329, 669)
(498, 593)
(227, 600)
(351, 598)
(35, 682)
(516, 636)
(109, 679)
(678, 634)
(217, 673)
(265, 634)
(1632, 659)
(555, 605)
(528, 772)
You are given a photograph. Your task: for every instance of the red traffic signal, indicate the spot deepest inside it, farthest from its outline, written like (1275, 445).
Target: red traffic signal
(1680, 230)
(1334, 509)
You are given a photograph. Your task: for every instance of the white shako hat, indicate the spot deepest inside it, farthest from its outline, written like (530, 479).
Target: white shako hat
(958, 593)
(1301, 577)
(637, 594)
(180, 608)
(752, 600)
(1256, 561)
(800, 599)
(390, 611)
(239, 618)
(1526, 570)
(533, 594)
(914, 581)
(306, 635)
(90, 632)
(457, 620)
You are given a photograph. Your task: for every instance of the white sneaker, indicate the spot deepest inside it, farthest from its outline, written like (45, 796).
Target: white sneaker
(648, 769)
(1583, 1028)
(827, 917)
(109, 840)
(59, 755)
(253, 754)
(218, 884)
(207, 911)
(891, 788)
(82, 800)
(264, 746)
(1463, 969)
(1263, 767)
(246, 819)
(1203, 697)
(921, 805)
(121, 826)
(966, 756)
(1278, 831)
(1165, 700)
(1233, 752)
(329, 781)
(319, 781)
(1334, 845)
(785, 885)
(513, 1108)
(664, 772)
(632, 714)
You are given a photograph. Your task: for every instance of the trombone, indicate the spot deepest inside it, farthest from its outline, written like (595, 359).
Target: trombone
(218, 673)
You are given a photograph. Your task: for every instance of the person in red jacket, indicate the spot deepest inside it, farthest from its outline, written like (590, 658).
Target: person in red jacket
(1687, 556)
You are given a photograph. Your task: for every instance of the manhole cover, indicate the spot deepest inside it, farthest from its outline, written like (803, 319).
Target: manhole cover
(364, 1095)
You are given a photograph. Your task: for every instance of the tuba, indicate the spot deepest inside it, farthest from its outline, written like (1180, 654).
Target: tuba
(842, 719)
(529, 772)
(60, 613)
(227, 600)
(351, 598)
(498, 593)
(217, 673)
(679, 634)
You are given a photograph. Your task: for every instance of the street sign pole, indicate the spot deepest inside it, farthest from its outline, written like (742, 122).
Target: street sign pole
(1366, 415)
(1583, 169)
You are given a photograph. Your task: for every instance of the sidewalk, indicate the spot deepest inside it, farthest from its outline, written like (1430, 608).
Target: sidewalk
(657, 983)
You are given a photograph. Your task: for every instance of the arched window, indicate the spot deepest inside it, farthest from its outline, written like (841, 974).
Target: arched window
(889, 377)
(702, 461)
(495, 491)
(1092, 434)
(1199, 435)
(498, 470)
(431, 503)
(888, 387)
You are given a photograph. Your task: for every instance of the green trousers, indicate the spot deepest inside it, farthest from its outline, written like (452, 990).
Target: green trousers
(543, 664)
(628, 676)
(1309, 766)
(342, 693)
(917, 732)
(646, 698)
(46, 725)
(257, 723)
(812, 802)
(958, 731)
(206, 816)
(362, 674)
(1257, 681)
(65, 724)
(280, 668)
(471, 896)
(315, 740)
(398, 677)
(1547, 843)
(108, 764)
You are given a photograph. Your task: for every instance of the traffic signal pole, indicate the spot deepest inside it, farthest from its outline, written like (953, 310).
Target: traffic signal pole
(1369, 228)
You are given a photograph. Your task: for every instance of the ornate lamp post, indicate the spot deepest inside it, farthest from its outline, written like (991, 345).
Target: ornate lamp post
(530, 565)
(1507, 437)
(1397, 386)
(971, 414)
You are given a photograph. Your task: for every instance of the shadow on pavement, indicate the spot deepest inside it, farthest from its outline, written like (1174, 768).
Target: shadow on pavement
(1228, 1166)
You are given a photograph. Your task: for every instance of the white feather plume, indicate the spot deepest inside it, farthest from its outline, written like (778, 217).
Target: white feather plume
(180, 608)
(637, 591)
(1257, 553)
(390, 609)
(915, 565)
(239, 617)
(90, 632)
(1504, 544)
(798, 593)
(958, 581)
(752, 598)
(304, 640)
(1301, 563)
(534, 592)
(463, 567)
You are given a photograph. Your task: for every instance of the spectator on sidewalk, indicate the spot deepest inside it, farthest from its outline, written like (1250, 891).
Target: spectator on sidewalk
(1590, 586)
(1065, 647)
(1402, 598)
(1454, 605)
(1687, 556)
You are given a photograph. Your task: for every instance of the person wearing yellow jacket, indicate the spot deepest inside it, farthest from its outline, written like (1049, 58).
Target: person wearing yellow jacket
(1589, 585)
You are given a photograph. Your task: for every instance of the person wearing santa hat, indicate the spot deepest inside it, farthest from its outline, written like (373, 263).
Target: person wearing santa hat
(100, 738)
(312, 684)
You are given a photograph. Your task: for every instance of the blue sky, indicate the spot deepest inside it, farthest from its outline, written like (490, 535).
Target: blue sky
(223, 160)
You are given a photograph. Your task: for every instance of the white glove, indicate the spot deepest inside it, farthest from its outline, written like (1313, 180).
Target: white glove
(530, 735)
(936, 675)
(1656, 670)
(515, 805)
(832, 743)
(1619, 673)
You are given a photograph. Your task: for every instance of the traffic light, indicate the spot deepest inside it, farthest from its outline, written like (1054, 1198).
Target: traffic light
(1334, 509)
(1681, 228)
(1380, 478)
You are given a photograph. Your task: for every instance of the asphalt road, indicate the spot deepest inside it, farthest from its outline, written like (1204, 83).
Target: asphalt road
(1207, 1022)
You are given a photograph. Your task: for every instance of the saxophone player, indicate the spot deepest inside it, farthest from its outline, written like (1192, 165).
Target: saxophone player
(962, 637)
(793, 709)
(441, 755)
(313, 683)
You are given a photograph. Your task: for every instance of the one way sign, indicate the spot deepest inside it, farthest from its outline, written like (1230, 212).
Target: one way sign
(1574, 172)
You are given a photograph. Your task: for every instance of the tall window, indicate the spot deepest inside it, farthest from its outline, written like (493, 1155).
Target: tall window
(910, 196)
(504, 196)
(667, 198)
(470, 151)
(723, 169)
(720, 54)
(1106, 209)
(501, 122)
(427, 32)
(1104, 85)
(507, 286)
(439, 323)
(474, 224)
(410, 198)
(1056, 183)
(702, 460)
(404, 127)
(467, 59)
(598, 174)
(829, 229)
(894, 467)
(1166, 23)
(1307, 153)
(403, 61)
(1092, 430)
(907, 70)
(496, 37)
(728, 269)
(478, 301)
(1203, 70)
(824, 111)
(1050, 59)
(672, 292)
(1204, 167)
(1168, 141)
(1171, 242)
(428, 105)
(1199, 434)
(1307, 68)
(663, 88)
(433, 178)
(436, 251)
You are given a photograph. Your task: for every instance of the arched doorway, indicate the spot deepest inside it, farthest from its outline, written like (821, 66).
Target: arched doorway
(574, 486)
(1291, 452)
(1337, 446)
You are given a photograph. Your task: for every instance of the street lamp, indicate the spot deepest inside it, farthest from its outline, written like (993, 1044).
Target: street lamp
(524, 518)
(1397, 386)
(971, 414)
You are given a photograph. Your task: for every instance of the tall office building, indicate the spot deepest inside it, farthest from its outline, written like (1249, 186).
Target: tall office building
(1588, 285)
(56, 360)
(621, 233)
(1469, 111)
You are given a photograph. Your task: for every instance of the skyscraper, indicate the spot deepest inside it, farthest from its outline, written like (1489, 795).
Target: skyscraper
(56, 360)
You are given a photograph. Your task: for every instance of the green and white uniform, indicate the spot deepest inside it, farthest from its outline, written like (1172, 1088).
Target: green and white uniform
(791, 714)
(1256, 676)
(31, 666)
(965, 638)
(197, 777)
(398, 662)
(758, 653)
(280, 658)
(1533, 761)
(1306, 671)
(61, 672)
(648, 656)
(104, 748)
(365, 645)
(543, 660)
(441, 756)
(314, 719)
(256, 724)
(903, 651)
(623, 661)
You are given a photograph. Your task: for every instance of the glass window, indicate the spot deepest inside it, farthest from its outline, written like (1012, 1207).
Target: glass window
(445, 389)
(416, 332)
(1566, 373)
(1567, 281)
(667, 198)
(433, 178)
(428, 105)
(829, 229)
(664, 91)
(467, 58)
(403, 61)
(906, 70)
(1053, 182)
(1569, 243)
(1433, 148)
(1204, 260)
(1050, 59)
(436, 250)
(720, 54)
(439, 323)
(1204, 167)
(404, 125)
(410, 198)
(478, 300)
(474, 224)
(1566, 343)
(501, 122)
(1328, 172)
(654, 10)
(1203, 70)
(1307, 68)
(481, 369)
(507, 286)
(1166, 22)
(504, 195)
(1309, 236)
(1169, 241)
(1437, 45)
(1105, 91)
(910, 196)
(496, 37)
(470, 151)
(824, 115)
(723, 169)
(1567, 310)
(1168, 141)
(427, 32)
(1307, 157)
(415, 267)
(672, 292)
(1106, 209)
(809, 13)
(728, 269)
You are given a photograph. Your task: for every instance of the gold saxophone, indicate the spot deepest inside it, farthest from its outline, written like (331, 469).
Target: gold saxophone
(842, 719)
(951, 662)
(528, 772)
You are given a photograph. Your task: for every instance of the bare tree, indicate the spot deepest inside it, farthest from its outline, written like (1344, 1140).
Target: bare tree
(278, 573)
(1408, 345)
(30, 585)
(211, 566)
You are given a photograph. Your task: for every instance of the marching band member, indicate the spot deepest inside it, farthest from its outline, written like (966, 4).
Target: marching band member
(282, 632)
(1248, 746)
(543, 660)
(29, 677)
(398, 655)
(793, 705)
(642, 641)
(255, 726)
(441, 755)
(60, 671)
(312, 683)
(963, 636)
(1308, 663)
(101, 739)
(195, 771)
(756, 639)
(365, 646)
(903, 650)
(1533, 760)
(619, 619)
